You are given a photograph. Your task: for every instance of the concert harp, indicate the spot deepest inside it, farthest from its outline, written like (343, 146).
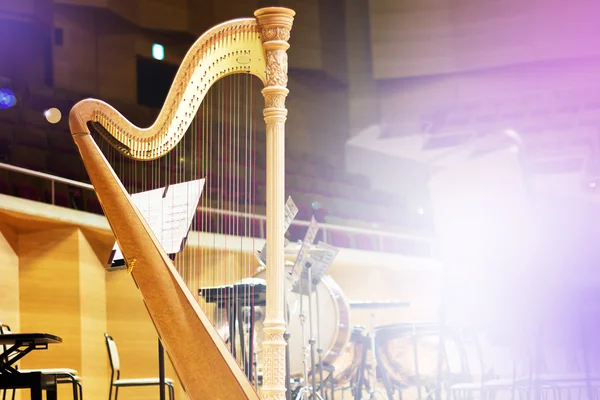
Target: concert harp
(205, 130)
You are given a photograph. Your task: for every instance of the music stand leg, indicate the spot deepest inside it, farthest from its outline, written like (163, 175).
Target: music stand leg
(288, 389)
(319, 349)
(308, 390)
(161, 370)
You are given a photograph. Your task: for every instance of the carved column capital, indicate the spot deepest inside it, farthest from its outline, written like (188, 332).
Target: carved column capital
(275, 24)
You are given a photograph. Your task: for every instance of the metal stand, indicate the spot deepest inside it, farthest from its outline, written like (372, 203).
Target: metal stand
(319, 349)
(373, 391)
(308, 391)
(161, 369)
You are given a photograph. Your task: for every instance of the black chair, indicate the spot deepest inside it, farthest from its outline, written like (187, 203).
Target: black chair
(63, 375)
(115, 377)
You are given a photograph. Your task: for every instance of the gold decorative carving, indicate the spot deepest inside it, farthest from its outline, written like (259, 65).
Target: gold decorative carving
(274, 100)
(277, 67)
(130, 263)
(276, 33)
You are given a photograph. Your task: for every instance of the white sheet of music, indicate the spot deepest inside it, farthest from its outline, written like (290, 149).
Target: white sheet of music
(169, 217)
(290, 213)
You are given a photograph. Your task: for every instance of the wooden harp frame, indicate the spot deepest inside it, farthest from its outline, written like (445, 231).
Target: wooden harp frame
(257, 46)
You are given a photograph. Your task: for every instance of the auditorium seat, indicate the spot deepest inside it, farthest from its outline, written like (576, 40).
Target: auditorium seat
(60, 141)
(10, 115)
(7, 135)
(31, 136)
(92, 204)
(309, 177)
(61, 193)
(296, 232)
(339, 239)
(67, 166)
(34, 118)
(29, 157)
(364, 241)
(4, 186)
(27, 191)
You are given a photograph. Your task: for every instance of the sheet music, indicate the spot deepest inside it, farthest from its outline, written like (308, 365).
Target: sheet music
(169, 215)
(320, 258)
(309, 239)
(290, 213)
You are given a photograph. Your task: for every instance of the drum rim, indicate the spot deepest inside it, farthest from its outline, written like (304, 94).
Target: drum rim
(342, 332)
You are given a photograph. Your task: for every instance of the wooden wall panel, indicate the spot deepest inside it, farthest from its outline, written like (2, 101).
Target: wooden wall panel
(63, 289)
(76, 60)
(410, 99)
(332, 20)
(9, 283)
(426, 37)
(117, 69)
(224, 11)
(50, 296)
(318, 105)
(411, 280)
(305, 41)
(92, 300)
(130, 326)
(170, 15)
(363, 102)
(24, 45)
(85, 3)
(125, 9)
(35, 10)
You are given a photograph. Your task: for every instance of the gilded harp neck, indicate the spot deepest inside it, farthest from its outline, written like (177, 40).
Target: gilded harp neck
(238, 46)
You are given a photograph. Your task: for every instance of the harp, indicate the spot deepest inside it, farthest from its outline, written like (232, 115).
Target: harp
(197, 133)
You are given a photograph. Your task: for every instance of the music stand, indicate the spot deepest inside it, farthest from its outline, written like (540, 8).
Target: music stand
(306, 276)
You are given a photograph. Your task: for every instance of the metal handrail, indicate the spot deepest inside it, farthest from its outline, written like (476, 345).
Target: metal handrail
(325, 227)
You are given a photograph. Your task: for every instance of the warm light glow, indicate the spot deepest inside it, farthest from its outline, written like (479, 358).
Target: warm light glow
(53, 115)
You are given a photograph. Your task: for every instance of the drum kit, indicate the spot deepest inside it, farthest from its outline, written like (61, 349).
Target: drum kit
(326, 355)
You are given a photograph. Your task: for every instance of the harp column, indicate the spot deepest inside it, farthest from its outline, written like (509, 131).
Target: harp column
(275, 24)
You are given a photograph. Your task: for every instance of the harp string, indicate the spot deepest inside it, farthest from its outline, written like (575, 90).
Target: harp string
(220, 146)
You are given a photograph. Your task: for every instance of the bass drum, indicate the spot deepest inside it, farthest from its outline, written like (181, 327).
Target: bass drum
(334, 316)
(346, 365)
(409, 353)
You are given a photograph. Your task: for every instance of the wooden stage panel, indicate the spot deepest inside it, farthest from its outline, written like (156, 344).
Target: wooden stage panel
(49, 296)
(136, 339)
(54, 259)
(9, 271)
(93, 314)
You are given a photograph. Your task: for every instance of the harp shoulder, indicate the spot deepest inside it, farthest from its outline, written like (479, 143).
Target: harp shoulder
(228, 48)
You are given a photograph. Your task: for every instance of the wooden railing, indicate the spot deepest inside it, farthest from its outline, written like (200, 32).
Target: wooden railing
(384, 241)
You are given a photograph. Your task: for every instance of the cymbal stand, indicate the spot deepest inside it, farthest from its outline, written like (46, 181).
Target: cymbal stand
(319, 348)
(373, 391)
(308, 391)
